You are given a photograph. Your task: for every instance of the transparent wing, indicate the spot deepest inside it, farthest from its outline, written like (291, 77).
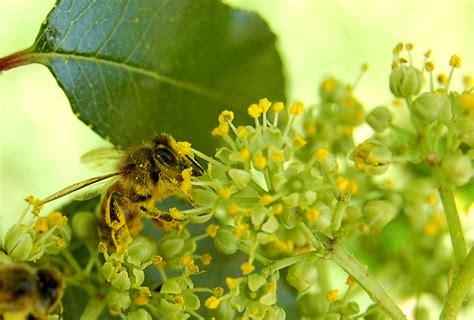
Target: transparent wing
(102, 159)
(93, 190)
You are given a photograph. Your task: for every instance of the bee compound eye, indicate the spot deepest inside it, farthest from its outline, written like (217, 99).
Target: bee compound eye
(166, 156)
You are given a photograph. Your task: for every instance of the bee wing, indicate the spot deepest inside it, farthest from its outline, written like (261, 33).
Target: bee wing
(102, 158)
(77, 186)
(93, 190)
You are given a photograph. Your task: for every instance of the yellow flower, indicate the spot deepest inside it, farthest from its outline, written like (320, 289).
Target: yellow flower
(350, 281)
(244, 154)
(221, 130)
(212, 302)
(225, 116)
(233, 208)
(277, 208)
(179, 300)
(332, 295)
(41, 225)
(296, 108)
(247, 267)
(254, 111)
(218, 292)
(56, 219)
(312, 214)
(265, 200)
(455, 61)
(260, 162)
(206, 259)
(231, 282)
(264, 104)
(322, 153)
(298, 142)
(187, 261)
(278, 106)
(211, 230)
(242, 131)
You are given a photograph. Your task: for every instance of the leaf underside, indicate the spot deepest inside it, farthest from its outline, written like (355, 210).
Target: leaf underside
(132, 68)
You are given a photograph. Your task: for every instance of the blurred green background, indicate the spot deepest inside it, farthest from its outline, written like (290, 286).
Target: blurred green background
(41, 140)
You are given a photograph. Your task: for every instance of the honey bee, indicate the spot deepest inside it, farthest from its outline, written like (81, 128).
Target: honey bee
(147, 173)
(27, 293)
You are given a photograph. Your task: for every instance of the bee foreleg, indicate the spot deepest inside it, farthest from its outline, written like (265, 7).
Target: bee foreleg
(158, 215)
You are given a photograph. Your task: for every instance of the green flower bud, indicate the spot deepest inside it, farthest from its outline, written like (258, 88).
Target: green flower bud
(422, 313)
(18, 242)
(332, 90)
(84, 226)
(405, 81)
(372, 157)
(240, 177)
(431, 106)
(121, 281)
(302, 275)
(108, 271)
(139, 314)
(374, 312)
(312, 305)
(457, 169)
(118, 300)
(141, 250)
(289, 218)
(377, 213)
(171, 247)
(204, 198)
(379, 118)
(138, 278)
(271, 225)
(171, 286)
(191, 301)
(225, 241)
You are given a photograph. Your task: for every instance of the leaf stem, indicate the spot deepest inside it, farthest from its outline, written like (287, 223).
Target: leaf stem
(356, 270)
(454, 224)
(461, 285)
(16, 59)
(94, 309)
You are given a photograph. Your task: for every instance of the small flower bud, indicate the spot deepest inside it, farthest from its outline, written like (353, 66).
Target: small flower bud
(302, 275)
(405, 81)
(118, 300)
(379, 118)
(225, 241)
(84, 226)
(431, 106)
(377, 213)
(121, 281)
(141, 250)
(139, 314)
(312, 305)
(18, 242)
(457, 169)
(171, 247)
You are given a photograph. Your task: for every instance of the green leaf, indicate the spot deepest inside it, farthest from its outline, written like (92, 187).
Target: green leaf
(132, 68)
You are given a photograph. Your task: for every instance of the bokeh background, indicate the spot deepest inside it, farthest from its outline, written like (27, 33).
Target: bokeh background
(42, 141)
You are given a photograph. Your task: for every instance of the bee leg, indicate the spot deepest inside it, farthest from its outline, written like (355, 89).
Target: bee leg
(114, 217)
(162, 218)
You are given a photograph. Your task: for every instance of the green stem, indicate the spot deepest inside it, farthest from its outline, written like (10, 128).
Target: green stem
(454, 224)
(286, 262)
(357, 271)
(310, 235)
(461, 285)
(94, 309)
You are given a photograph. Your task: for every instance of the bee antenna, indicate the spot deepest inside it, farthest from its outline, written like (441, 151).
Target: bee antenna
(196, 163)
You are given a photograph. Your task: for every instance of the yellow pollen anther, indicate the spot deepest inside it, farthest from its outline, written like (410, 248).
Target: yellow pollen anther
(296, 108)
(329, 84)
(242, 131)
(212, 302)
(468, 82)
(176, 214)
(278, 106)
(429, 66)
(322, 153)
(264, 104)
(221, 130)
(265, 200)
(431, 198)
(233, 208)
(240, 229)
(260, 162)
(427, 54)
(409, 46)
(254, 110)
(277, 156)
(398, 48)
(211, 230)
(365, 67)
(298, 142)
(187, 261)
(41, 225)
(467, 101)
(231, 282)
(455, 61)
(442, 78)
(183, 148)
(224, 192)
(351, 282)
(225, 116)
(347, 131)
(402, 60)
(56, 219)
(179, 300)
(271, 286)
(218, 291)
(332, 295)
(244, 154)
(247, 268)
(312, 214)
(206, 259)
(277, 208)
